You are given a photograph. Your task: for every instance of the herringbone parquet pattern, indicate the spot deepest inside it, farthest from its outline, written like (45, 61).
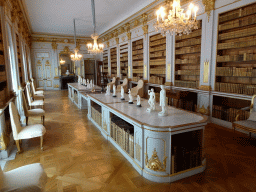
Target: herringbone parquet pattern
(77, 158)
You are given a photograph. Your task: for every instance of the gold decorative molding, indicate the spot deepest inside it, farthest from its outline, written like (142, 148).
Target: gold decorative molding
(206, 71)
(144, 18)
(137, 151)
(145, 29)
(3, 141)
(204, 111)
(169, 71)
(56, 86)
(168, 84)
(54, 45)
(209, 6)
(154, 163)
(117, 40)
(129, 35)
(107, 43)
(205, 87)
(145, 71)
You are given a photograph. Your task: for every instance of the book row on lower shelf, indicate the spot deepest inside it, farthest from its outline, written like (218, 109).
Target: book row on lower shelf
(241, 56)
(123, 133)
(235, 88)
(238, 33)
(229, 114)
(96, 115)
(189, 42)
(236, 72)
(188, 72)
(188, 50)
(242, 42)
(189, 84)
(193, 59)
(156, 80)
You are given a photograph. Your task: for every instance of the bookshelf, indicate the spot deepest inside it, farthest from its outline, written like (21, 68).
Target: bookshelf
(187, 58)
(236, 51)
(122, 133)
(137, 60)
(226, 108)
(105, 61)
(96, 113)
(3, 77)
(19, 58)
(113, 57)
(124, 61)
(157, 59)
(186, 155)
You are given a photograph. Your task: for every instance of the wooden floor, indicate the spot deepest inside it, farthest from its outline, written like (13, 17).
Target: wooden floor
(77, 158)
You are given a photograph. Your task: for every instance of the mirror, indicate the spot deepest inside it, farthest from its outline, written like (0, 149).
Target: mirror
(68, 64)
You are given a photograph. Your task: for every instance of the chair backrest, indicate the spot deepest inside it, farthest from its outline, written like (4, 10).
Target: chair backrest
(1, 177)
(113, 80)
(28, 95)
(140, 84)
(15, 121)
(253, 103)
(33, 85)
(125, 82)
(25, 105)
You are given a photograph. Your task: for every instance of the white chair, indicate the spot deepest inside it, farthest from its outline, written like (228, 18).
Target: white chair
(26, 132)
(32, 112)
(125, 86)
(28, 178)
(113, 82)
(36, 95)
(36, 88)
(138, 90)
(31, 102)
(249, 124)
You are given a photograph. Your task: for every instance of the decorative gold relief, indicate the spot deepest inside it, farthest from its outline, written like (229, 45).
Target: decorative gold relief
(54, 45)
(154, 163)
(129, 71)
(122, 30)
(168, 84)
(123, 38)
(209, 6)
(205, 87)
(129, 35)
(47, 63)
(204, 111)
(145, 29)
(144, 18)
(169, 71)
(56, 71)
(56, 86)
(136, 23)
(206, 71)
(117, 40)
(107, 43)
(145, 71)
(3, 141)
(39, 63)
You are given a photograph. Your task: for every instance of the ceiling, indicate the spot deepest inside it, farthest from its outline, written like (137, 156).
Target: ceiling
(56, 16)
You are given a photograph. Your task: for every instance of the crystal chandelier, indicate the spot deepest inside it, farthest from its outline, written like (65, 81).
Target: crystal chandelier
(62, 61)
(95, 48)
(76, 56)
(176, 21)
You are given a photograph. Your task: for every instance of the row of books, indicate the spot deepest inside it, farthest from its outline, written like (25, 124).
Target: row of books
(188, 50)
(137, 52)
(123, 50)
(238, 13)
(113, 51)
(159, 71)
(184, 158)
(137, 57)
(236, 72)
(113, 60)
(190, 78)
(235, 88)
(188, 72)
(243, 42)
(124, 64)
(153, 38)
(124, 59)
(193, 34)
(125, 54)
(156, 80)
(188, 84)
(159, 42)
(137, 47)
(157, 62)
(158, 54)
(189, 67)
(188, 42)
(229, 114)
(137, 78)
(162, 47)
(137, 42)
(238, 33)
(191, 60)
(137, 63)
(96, 115)
(240, 57)
(123, 134)
(137, 70)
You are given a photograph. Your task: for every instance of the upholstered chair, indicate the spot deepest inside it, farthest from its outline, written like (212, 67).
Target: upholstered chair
(36, 96)
(113, 82)
(32, 112)
(125, 86)
(31, 102)
(36, 88)
(27, 178)
(27, 132)
(138, 90)
(249, 124)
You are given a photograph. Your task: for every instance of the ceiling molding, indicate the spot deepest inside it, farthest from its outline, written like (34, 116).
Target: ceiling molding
(25, 14)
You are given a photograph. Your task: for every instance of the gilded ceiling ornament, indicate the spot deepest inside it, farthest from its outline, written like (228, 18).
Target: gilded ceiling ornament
(108, 43)
(145, 29)
(117, 40)
(127, 27)
(54, 45)
(14, 13)
(209, 6)
(129, 35)
(122, 30)
(115, 33)
(144, 18)
(136, 23)
(154, 162)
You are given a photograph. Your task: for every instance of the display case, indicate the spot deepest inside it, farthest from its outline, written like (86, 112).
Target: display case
(137, 60)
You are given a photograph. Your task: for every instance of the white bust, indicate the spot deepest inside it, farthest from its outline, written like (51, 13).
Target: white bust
(88, 82)
(130, 97)
(138, 101)
(114, 91)
(122, 93)
(91, 83)
(152, 100)
(84, 81)
(108, 90)
(163, 103)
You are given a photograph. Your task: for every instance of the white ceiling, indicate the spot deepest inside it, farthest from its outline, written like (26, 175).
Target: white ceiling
(56, 16)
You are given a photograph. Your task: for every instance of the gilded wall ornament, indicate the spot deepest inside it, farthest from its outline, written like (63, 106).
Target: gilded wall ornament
(108, 44)
(206, 71)
(209, 6)
(205, 87)
(145, 29)
(154, 162)
(54, 45)
(204, 111)
(117, 40)
(129, 35)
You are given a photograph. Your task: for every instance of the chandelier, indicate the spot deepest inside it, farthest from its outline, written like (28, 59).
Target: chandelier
(176, 22)
(62, 61)
(75, 56)
(95, 48)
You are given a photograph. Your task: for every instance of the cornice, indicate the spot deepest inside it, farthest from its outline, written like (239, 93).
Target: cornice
(25, 15)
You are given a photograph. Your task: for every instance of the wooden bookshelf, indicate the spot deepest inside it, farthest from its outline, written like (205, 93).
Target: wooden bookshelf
(124, 61)
(187, 58)
(137, 60)
(105, 61)
(3, 76)
(19, 59)
(96, 113)
(236, 51)
(113, 57)
(157, 59)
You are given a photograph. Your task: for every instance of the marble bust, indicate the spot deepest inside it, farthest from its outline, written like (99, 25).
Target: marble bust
(108, 90)
(130, 97)
(122, 93)
(114, 91)
(138, 101)
(163, 103)
(152, 100)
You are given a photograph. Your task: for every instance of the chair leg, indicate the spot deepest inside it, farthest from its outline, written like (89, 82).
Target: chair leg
(18, 145)
(42, 119)
(27, 121)
(41, 142)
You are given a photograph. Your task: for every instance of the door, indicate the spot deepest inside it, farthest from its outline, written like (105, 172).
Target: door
(44, 73)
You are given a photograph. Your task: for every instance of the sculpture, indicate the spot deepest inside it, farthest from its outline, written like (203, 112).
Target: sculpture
(138, 101)
(122, 93)
(84, 82)
(163, 103)
(91, 85)
(114, 91)
(130, 97)
(88, 82)
(67, 73)
(108, 90)
(152, 100)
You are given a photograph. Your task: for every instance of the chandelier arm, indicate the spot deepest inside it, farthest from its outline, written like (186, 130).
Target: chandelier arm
(93, 15)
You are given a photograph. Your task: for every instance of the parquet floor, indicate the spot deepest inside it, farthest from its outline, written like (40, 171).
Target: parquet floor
(77, 158)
